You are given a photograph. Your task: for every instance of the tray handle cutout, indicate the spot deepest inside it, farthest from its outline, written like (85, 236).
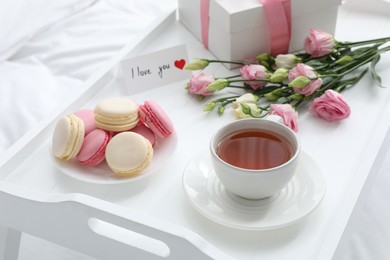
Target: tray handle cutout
(131, 238)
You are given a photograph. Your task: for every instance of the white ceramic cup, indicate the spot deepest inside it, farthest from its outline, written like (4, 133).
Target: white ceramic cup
(255, 184)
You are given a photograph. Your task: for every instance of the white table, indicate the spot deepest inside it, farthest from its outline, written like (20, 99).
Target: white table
(96, 219)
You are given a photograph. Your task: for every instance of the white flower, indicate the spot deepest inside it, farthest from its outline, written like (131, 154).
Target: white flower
(286, 61)
(246, 98)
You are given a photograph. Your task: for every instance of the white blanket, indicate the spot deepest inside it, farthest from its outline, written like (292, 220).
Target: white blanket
(49, 48)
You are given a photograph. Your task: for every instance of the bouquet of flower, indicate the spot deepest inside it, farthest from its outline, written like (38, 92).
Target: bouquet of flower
(279, 84)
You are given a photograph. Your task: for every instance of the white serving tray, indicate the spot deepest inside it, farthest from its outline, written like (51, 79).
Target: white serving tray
(105, 221)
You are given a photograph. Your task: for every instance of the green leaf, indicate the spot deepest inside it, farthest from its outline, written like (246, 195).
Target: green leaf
(317, 64)
(266, 89)
(282, 100)
(361, 50)
(271, 96)
(375, 76)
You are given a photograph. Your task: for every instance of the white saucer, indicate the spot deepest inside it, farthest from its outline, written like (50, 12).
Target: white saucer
(102, 174)
(299, 198)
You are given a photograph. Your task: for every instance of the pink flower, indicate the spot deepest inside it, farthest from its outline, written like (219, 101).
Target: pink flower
(306, 71)
(254, 71)
(319, 43)
(330, 106)
(287, 112)
(198, 84)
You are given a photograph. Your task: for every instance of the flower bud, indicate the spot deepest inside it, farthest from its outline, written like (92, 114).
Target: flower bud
(279, 75)
(266, 60)
(300, 82)
(296, 96)
(286, 61)
(278, 91)
(218, 85)
(209, 107)
(344, 60)
(198, 84)
(221, 109)
(197, 64)
(271, 96)
(247, 110)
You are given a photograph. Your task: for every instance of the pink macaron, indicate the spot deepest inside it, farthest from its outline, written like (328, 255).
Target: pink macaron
(88, 118)
(93, 149)
(145, 131)
(156, 119)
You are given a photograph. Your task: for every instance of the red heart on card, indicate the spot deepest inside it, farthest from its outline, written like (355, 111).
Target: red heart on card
(180, 64)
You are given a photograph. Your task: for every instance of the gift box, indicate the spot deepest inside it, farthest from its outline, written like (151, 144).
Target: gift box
(239, 30)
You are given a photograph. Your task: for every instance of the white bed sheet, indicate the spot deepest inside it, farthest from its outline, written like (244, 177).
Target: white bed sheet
(44, 63)
(53, 46)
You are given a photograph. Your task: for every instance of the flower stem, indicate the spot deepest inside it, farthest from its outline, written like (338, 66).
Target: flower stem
(232, 98)
(351, 81)
(356, 66)
(326, 75)
(229, 62)
(350, 44)
(224, 103)
(384, 49)
(250, 80)
(241, 87)
(369, 52)
(325, 87)
(297, 104)
(231, 77)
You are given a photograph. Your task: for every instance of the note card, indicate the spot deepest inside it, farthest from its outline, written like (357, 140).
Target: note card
(156, 69)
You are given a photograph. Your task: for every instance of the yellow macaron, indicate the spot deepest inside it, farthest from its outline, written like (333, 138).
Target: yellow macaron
(128, 154)
(68, 137)
(116, 114)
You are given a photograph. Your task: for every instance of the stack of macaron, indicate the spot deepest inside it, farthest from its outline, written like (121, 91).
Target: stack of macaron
(118, 131)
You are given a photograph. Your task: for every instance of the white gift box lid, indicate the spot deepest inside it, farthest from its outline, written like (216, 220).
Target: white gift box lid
(233, 16)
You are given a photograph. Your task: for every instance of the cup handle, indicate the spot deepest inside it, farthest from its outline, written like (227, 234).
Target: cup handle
(276, 118)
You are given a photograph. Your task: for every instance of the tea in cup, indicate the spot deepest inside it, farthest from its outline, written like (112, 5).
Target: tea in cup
(255, 158)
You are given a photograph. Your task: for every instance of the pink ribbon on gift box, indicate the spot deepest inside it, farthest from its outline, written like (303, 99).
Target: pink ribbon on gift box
(278, 14)
(205, 20)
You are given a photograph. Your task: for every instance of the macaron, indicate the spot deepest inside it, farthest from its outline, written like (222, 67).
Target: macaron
(116, 114)
(145, 131)
(156, 119)
(93, 150)
(128, 154)
(68, 137)
(88, 118)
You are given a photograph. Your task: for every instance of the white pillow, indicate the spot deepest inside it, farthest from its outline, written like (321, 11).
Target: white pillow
(28, 94)
(22, 19)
